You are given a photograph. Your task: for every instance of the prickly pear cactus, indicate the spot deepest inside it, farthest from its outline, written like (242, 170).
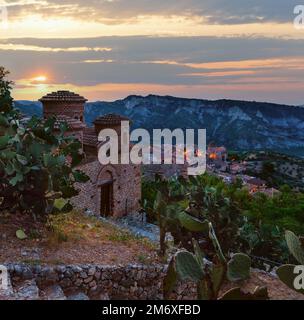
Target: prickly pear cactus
(203, 290)
(191, 223)
(187, 267)
(217, 275)
(210, 276)
(289, 274)
(216, 244)
(159, 203)
(199, 255)
(170, 279)
(183, 266)
(295, 246)
(238, 267)
(260, 293)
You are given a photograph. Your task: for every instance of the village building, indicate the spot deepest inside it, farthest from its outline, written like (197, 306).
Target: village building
(217, 154)
(163, 169)
(113, 190)
(237, 167)
(217, 158)
(256, 185)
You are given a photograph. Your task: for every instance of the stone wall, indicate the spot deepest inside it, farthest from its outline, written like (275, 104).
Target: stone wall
(126, 188)
(132, 282)
(86, 199)
(68, 108)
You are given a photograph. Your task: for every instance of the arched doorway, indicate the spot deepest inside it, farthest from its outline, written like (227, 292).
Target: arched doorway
(106, 199)
(105, 183)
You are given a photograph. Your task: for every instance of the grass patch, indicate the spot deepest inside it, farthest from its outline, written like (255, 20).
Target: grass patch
(142, 258)
(71, 238)
(121, 236)
(75, 226)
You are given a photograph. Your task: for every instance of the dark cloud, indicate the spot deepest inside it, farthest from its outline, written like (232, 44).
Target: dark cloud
(142, 59)
(181, 49)
(118, 11)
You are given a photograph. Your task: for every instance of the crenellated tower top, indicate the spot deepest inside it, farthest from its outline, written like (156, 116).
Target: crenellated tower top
(63, 103)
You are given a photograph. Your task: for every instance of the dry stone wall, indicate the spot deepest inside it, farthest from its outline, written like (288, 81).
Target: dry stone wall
(132, 282)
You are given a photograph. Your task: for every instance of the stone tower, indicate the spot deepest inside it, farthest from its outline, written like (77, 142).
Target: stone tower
(112, 121)
(67, 107)
(64, 103)
(113, 190)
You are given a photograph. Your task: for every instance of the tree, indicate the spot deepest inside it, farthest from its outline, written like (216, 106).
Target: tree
(6, 101)
(268, 170)
(38, 169)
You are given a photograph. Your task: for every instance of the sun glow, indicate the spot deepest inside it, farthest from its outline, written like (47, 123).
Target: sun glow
(40, 78)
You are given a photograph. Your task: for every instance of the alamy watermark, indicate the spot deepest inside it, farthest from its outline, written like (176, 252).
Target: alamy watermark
(115, 147)
(3, 278)
(299, 19)
(298, 282)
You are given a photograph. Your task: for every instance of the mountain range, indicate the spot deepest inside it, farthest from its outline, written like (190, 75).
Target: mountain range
(239, 125)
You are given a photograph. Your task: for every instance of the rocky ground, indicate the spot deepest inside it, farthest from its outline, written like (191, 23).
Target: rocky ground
(97, 242)
(29, 290)
(136, 224)
(70, 239)
(276, 289)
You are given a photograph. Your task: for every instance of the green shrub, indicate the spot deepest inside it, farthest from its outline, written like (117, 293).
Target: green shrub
(251, 224)
(36, 167)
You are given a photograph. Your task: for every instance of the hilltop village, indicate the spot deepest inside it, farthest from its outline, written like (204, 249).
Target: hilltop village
(115, 190)
(219, 164)
(232, 170)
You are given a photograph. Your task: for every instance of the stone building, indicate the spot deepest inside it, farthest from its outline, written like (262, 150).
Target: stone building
(217, 158)
(217, 153)
(113, 190)
(150, 171)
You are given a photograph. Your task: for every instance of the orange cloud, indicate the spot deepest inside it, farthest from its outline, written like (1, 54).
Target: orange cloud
(219, 73)
(287, 62)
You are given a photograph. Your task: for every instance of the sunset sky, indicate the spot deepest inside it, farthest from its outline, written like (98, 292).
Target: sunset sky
(109, 49)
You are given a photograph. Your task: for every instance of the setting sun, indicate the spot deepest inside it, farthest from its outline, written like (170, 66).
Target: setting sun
(40, 78)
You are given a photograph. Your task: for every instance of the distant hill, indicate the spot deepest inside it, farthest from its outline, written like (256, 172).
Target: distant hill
(239, 125)
(275, 168)
(29, 108)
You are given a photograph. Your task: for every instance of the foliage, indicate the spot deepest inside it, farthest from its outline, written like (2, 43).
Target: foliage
(183, 207)
(251, 224)
(211, 199)
(37, 167)
(210, 277)
(288, 273)
(268, 170)
(20, 234)
(275, 168)
(6, 100)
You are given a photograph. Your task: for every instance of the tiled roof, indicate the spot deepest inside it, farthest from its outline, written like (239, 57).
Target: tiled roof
(90, 137)
(72, 123)
(63, 95)
(110, 119)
